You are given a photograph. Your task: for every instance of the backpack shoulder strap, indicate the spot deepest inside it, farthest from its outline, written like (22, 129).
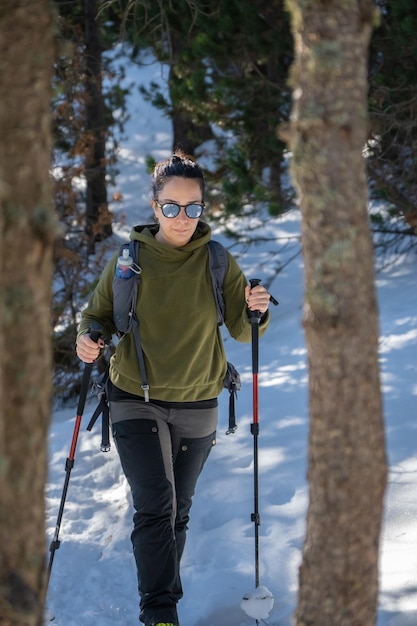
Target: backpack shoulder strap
(218, 264)
(103, 410)
(133, 246)
(125, 292)
(134, 249)
(125, 295)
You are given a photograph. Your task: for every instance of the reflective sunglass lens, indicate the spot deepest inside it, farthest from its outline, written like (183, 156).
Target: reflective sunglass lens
(194, 210)
(170, 209)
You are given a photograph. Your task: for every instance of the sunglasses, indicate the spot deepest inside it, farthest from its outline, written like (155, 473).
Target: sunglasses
(172, 209)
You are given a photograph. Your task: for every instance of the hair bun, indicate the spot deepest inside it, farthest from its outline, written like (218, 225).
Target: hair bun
(178, 164)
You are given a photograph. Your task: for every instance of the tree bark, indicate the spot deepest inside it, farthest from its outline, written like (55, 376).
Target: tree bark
(347, 463)
(27, 227)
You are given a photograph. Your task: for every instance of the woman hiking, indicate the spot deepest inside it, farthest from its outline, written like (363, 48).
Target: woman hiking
(164, 443)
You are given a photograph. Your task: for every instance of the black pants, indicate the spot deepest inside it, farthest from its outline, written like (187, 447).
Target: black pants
(162, 452)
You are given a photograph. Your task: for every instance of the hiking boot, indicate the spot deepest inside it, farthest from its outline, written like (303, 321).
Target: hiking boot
(155, 620)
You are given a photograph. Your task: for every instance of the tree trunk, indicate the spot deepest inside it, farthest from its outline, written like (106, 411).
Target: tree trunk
(347, 463)
(187, 135)
(27, 227)
(98, 222)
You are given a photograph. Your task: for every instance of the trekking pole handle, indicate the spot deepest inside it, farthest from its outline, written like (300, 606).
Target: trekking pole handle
(96, 332)
(254, 316)
(257, 281)
(254, 282)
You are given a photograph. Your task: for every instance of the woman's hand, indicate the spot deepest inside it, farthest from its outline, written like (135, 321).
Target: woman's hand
(257, 298)
(87, 349)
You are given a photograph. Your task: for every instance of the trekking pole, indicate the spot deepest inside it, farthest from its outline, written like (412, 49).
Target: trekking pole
(255, 317)
(257, 604)
(55, 543)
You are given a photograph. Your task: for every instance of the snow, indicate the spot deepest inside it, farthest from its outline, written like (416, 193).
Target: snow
(258, 603)
(93, 579)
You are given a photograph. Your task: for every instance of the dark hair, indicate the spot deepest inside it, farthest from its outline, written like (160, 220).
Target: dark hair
(179, 164)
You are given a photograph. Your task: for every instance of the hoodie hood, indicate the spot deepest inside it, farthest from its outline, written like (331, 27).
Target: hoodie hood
(146, 233)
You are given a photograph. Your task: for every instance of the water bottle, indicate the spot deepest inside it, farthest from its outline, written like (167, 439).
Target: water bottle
(124, 265)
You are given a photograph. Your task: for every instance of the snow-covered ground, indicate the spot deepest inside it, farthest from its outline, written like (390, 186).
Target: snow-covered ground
(93, 580)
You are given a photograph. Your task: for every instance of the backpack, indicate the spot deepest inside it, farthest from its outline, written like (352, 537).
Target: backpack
(125, 293)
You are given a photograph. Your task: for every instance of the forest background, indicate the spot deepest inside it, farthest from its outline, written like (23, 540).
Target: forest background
(228, 94)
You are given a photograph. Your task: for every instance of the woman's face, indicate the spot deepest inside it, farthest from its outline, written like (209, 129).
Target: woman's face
(177, 231)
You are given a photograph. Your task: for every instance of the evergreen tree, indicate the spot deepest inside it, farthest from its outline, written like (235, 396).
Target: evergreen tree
(392, 147)
(83, 162)
(228, 68)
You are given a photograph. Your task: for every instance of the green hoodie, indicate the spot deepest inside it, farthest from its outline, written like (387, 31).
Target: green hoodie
(181, 341)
